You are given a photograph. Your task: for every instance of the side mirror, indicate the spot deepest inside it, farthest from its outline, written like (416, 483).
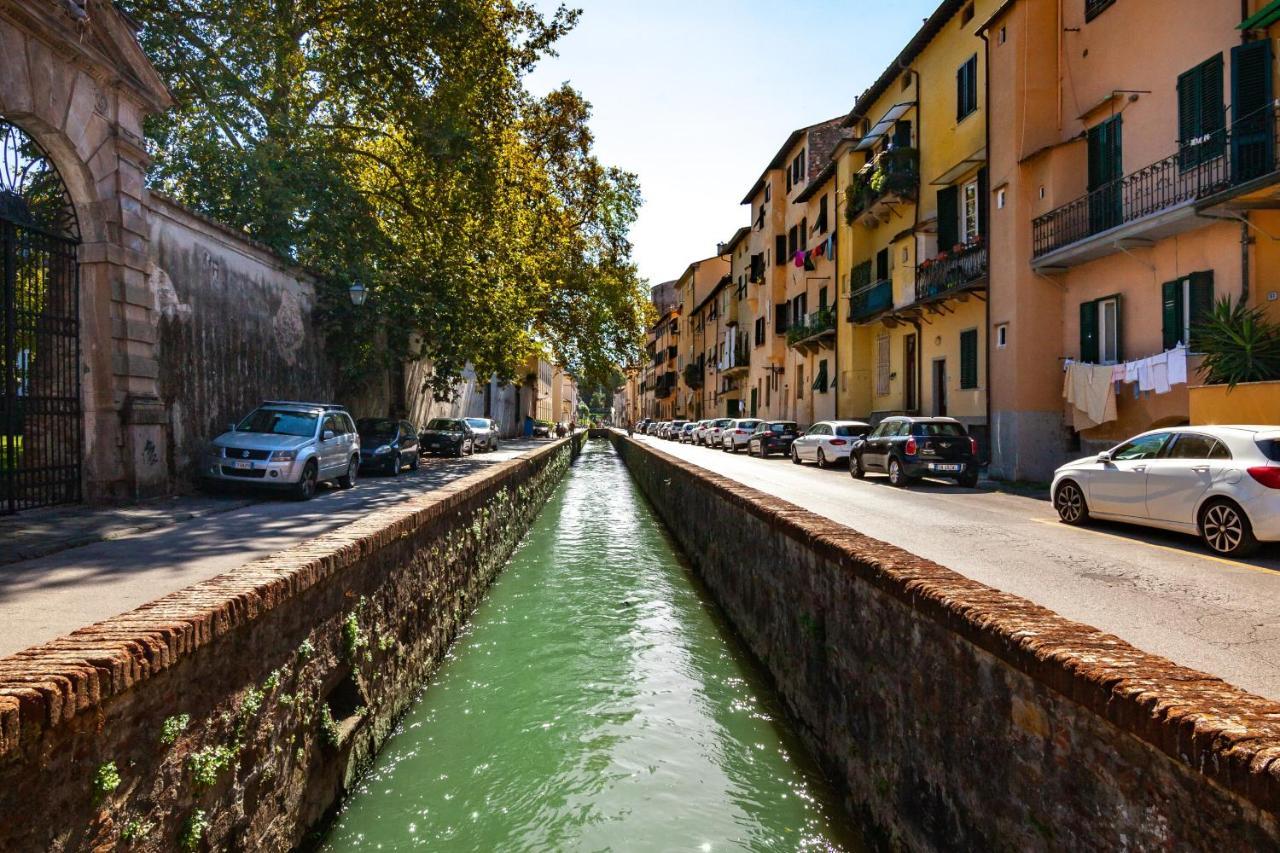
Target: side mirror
(327, 435)
(1104, 456)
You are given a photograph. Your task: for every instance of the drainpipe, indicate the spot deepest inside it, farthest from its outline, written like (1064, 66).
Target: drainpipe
(915, 227)
(986, 117)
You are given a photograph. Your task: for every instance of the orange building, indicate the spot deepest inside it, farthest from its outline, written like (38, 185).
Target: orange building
(1132, 184)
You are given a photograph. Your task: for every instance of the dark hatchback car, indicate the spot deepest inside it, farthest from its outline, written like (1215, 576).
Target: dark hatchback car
(447, 437)
(910, 448)
(387, 445)
(772, 437)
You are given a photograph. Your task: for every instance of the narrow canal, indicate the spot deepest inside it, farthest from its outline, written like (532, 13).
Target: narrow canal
(596, 702)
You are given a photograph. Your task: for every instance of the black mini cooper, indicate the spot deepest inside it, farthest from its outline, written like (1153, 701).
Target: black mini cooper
(908, 448)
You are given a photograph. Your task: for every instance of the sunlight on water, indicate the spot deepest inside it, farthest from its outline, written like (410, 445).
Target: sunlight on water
(593, 704)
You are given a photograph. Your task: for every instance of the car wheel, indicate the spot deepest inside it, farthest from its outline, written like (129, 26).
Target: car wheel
(349, 479)
(305, 490)
(495, 445)
(897, 476)
(795, 457)
(969, 480)
(1069, 501)
(468, 447)
(855, 468)
(1226, 529)
(822, 458)
(416, 462)
(393, 466)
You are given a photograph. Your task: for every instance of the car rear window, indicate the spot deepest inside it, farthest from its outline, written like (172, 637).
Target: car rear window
(443, 424)
(849, 431)
(783, 426)
(1270, 448)
(942, 429)
(478, 422)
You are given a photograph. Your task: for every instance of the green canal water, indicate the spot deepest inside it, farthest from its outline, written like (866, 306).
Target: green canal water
(595, 702)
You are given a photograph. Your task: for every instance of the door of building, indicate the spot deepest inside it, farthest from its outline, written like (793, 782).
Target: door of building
(909, 368)
(1106, 169)
(40, 420)
(940, 387)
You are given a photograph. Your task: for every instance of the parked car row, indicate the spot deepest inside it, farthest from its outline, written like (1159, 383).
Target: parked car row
(1221, 483)
(296, 446)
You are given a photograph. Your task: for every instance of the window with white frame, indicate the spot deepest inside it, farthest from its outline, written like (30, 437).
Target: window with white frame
(969, 212)
(882, 366)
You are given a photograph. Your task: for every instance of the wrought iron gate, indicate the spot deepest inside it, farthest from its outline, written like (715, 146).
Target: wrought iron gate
(40, 418)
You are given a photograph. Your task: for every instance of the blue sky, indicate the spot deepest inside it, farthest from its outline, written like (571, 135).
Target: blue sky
(695, 96)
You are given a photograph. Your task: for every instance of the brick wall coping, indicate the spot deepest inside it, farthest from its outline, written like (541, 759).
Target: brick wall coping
(1228, 735)
(51, 683)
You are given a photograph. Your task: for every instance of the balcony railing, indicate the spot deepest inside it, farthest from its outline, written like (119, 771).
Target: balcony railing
(871, 300)
(818, 323)
(942, 275)
(1200, 169)
(738, 358)
(894, 175)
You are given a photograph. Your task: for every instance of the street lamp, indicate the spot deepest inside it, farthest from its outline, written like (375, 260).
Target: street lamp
(358, 294)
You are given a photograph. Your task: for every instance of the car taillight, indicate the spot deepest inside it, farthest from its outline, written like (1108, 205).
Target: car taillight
(739, 432)
(973, 445)
(1266, 475)
(911, 447)
(839, 442)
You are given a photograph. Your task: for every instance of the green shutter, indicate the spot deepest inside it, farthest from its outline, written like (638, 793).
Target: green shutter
(1201, 112)
(1089, 332)
(1171, 313)
(1119, 326)
(984, 191)
(1201, 301)
(820, 381)
(948, 218)
(882, 265)
(969, 359)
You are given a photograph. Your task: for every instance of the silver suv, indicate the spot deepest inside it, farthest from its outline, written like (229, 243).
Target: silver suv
(287, 445)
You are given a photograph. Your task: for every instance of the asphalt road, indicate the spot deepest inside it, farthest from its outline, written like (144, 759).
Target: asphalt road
(42, 599)
(1159, 591)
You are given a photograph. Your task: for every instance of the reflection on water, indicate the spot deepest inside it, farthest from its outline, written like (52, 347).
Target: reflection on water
(593, 704)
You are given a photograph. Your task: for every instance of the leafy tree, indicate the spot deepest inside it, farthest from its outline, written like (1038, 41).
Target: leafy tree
(396, 143)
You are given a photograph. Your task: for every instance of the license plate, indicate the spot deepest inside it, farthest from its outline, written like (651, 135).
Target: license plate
(242, 465)
(939, 467)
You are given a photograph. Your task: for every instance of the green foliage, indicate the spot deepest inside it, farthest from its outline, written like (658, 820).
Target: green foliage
(1239, 345)
(398, 144)
(353, 639)
(205, 764)
(272, 682)
(105, 780)
(329, 734)
(306, 651)
(193, 830)
(135, 829)
(172, 727)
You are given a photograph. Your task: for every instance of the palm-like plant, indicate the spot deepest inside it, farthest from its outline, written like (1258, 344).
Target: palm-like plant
(1239, 345)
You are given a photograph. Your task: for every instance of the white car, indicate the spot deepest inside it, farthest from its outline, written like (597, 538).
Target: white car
(737, 435)
(700, 431)
(1219, 482)
(711, 437)
(827, 442)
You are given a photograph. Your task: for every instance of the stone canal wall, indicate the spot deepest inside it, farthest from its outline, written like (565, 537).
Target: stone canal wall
(963, 718)
(232, 714)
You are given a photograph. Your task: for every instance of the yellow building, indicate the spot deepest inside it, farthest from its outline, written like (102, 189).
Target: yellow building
(693, 287)
(731, 367)
(912, 230)
(777, 288)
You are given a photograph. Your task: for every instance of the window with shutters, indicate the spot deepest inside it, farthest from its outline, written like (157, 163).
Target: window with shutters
(882, 366)
(780, 250)
(1252, 135)
(967, 88)
(800, 380)
(1100, 331)
(821, 225)
(793, 241)
(804, 234)
(780, 318)
(1185, 304)
(882, 265)
(760, 331)
(820, 382)
(1202, 114)
(969, 229)
(969, 358)
(948, 218)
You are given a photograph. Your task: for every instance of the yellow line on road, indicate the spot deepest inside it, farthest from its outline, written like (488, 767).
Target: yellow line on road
(1169, 548)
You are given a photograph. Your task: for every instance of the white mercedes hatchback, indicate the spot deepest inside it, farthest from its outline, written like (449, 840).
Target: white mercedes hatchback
(1221, 483)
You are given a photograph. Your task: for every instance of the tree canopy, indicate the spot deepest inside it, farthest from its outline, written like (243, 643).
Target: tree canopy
(396, 143)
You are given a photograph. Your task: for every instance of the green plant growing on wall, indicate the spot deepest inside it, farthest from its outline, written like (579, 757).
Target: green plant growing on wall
(1239, 345)
(272, 682)
(329, 734)
(193, 830)
(204, 765)
(105, 780)
(249, 707)
(136, 828)
(172, 727)
(353, 639)
(306, 651)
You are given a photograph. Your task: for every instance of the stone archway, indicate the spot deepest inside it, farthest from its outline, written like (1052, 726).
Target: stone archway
(73, 77)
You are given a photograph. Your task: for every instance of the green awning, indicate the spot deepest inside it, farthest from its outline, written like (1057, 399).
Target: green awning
(1265, 17)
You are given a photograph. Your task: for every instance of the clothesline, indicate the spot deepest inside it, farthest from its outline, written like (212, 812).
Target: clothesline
(1156, 373)
(1090, 389)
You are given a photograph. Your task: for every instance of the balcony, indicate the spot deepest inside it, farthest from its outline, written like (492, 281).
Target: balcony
(738, 359)
(868, 302)
(891, 179)
(951, 273)
(814, 332)
(1162, 199)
